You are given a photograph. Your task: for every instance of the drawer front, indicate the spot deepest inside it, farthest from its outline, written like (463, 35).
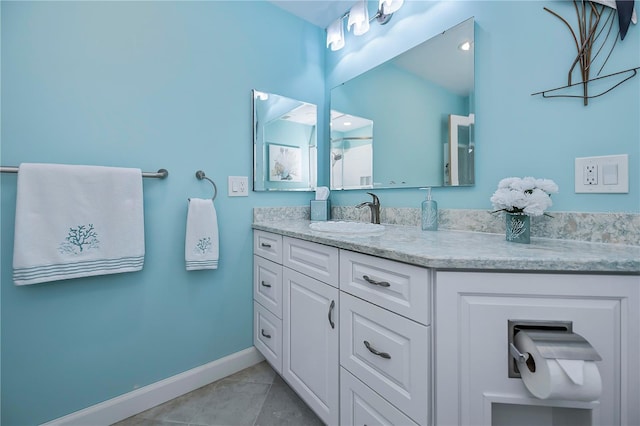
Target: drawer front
(267, 284)
(267, 245)
(401, 288)
(267, 335)
(395, 359)
(312, 259)
(359, 405)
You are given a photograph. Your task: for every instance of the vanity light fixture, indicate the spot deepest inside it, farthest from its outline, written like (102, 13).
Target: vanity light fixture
(359, 20)
(335, 35)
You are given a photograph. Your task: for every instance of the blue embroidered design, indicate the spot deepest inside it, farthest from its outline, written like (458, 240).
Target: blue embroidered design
(203, 245)
(80, 239)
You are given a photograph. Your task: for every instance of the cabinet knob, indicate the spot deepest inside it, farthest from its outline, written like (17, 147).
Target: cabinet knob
(267, 245)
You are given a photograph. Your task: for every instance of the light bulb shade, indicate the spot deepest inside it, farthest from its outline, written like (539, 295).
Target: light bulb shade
(359, 18)
(390, 6)
(335, 35)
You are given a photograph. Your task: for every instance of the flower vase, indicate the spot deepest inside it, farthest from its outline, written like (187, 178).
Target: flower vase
(518, 227)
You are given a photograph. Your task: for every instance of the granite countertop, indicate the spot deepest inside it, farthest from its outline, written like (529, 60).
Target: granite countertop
(471, 250)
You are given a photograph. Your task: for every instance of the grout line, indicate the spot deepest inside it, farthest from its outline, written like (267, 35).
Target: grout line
(262, 405)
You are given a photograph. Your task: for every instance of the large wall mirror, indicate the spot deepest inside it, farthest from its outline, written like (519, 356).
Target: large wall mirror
(408, 122)
(284, 143)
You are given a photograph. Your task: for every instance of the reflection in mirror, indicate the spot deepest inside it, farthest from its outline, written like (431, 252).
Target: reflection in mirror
(284, 143)
(411, 99)
(352, 144)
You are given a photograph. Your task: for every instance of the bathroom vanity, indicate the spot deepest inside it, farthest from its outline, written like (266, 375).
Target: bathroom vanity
(409, 327)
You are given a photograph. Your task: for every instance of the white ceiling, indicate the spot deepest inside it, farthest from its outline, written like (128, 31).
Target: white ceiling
(319, 12)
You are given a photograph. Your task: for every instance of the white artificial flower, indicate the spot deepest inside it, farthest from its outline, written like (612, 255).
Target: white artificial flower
(526, 195)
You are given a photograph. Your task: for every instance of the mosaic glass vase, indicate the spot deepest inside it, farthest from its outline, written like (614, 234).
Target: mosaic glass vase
(518, 228)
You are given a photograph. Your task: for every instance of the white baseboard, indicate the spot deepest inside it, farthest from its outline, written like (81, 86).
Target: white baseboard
(139, 400)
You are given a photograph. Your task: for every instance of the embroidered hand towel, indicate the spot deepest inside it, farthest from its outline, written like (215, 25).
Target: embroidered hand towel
(77, 221)
(201, 243)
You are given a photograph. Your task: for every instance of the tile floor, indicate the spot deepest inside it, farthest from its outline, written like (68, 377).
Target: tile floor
(254, 396)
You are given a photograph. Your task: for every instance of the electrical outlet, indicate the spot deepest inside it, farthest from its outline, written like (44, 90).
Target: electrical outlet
(606, 174)
(238, 186)
(590, 174)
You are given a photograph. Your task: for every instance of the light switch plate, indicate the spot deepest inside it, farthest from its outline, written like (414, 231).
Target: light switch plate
(238, 186)
(607, 174)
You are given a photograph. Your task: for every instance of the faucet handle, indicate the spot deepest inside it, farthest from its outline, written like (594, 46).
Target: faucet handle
(376, 200)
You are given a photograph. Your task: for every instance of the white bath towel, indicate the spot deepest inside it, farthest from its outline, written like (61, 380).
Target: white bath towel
(201, 243)
(77, 221)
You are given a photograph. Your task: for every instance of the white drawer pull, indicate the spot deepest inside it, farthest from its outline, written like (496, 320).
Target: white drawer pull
(267, 245)
(374, 282)
(264, 284)
(268, 336)
(376, 352)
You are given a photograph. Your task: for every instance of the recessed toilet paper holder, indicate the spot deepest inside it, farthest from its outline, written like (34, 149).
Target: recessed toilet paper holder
(554, 339)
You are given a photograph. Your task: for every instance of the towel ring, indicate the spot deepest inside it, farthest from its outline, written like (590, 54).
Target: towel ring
(200, 175)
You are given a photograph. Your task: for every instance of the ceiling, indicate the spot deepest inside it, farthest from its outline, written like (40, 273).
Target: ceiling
(318, 12)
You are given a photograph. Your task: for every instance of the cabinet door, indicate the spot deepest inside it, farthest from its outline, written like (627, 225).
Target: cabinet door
(310, 342)
(471, 349)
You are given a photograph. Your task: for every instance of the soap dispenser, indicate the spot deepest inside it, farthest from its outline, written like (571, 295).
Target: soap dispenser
(429, 213)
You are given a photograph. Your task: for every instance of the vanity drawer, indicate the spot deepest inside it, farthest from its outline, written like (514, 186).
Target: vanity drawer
(267, 284)
(312, 259)
(399, 287)
(267, 335)
(359, 405)
(395, 359)
(268, 245)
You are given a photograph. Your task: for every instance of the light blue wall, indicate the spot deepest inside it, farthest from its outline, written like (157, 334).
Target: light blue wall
(148, 85)
(520, 49)
(412, 152)
(168, 84)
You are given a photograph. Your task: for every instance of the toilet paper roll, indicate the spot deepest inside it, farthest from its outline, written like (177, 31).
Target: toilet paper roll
(573, 380)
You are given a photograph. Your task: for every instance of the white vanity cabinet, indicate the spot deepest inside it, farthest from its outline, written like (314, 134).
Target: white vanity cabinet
(471, 334)
(387, 352)
(267, 297)
(310, 325)
(296, 309)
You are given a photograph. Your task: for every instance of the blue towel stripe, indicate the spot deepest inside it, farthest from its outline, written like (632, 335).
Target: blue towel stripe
(57, 272)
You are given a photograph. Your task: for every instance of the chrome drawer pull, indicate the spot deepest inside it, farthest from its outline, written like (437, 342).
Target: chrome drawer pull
(333, 305)
(376, 352)
(268, 336)
(267, 245)
(374, 282)
(264, 284)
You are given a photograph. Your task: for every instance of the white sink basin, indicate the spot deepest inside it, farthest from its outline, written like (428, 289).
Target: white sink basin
(340, 227)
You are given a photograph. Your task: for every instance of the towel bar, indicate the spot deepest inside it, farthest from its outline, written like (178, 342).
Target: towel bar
(160, 174)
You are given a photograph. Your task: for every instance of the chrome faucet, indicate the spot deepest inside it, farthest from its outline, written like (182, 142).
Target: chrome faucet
(374, 206)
